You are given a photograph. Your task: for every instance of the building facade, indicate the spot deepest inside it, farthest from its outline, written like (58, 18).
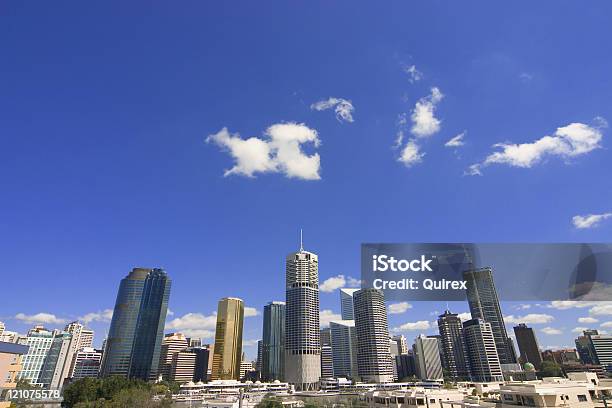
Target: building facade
(374, 362)
(134, 340)
(452, 345)
(482, 351)
(228, 339)
(171, 344)
(484, 304)
(427, 358)
(273, 342)
(346, 303)
(528, 345)
(86, 363)
(344, 348)
(302, 332)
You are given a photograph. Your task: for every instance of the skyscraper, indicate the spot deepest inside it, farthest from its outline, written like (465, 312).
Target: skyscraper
(228, 339)
(482, 352)
(427, 358)
(172, 343)
(374, 362)
(327, 360)
(344, 348)
(595, 348)
(137, 327)
(528, 345)
(453, 346)
(56, 367)
(346, 303)
(302, 332)
(273, 342)
(402, 344)
(484, 304)
(39, 341)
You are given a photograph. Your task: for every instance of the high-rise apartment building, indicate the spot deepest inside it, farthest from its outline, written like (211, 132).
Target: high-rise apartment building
(182, 366)
(484, 304)
(39, 341)
(374, 362)
(344, 348)
(528, 345)
(134, 340)
(595, 348)
(452, 345)
(273, 342)
(482, 351)
(228, 339)
(58, 362)
(401, 344)
(427, 358)
(171, 344)
(347, 311)
(302, 332)
(86, 363)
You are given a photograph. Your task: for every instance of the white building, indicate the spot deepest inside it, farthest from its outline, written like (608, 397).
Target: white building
(481, 351)
(86, 363)
(427, 358)
(302, 331)
(39, 341)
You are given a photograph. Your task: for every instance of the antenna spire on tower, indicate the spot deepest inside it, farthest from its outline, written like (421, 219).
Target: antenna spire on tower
(301, 242)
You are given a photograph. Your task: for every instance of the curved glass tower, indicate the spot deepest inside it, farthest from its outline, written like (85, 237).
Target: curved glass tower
(136, 331)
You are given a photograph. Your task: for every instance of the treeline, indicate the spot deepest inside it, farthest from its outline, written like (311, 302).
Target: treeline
(118, 392)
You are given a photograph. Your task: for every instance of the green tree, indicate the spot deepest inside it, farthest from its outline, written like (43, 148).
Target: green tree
(550, 369)
(270, 402)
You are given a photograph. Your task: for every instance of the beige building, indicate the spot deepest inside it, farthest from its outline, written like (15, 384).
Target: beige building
(228, 340)
(171, 344)
(10, 365)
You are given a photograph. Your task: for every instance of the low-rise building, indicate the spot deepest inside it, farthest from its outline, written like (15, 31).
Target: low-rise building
(10, 365)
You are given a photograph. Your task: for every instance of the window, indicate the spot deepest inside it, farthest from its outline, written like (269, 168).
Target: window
(582, 398)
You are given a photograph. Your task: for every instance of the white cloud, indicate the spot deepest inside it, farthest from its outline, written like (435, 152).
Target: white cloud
(526, 76)
(249, 343)
(353, 282)
(250, 311)
(590, 220)
(169, 312)
(551, 331)
(343, 108)
(414, 74)
(567, 142)
(278, 152)
(411, 154)
(606, 325)
(570, 304)
(465, 316)
(413, 326)
(195, 325)
(42, 318)
(104, 316)
(587, 320)
(531, 318)
(333, 283)
(456, 141)
(399, 308)
(579, 330)
(424, 122)
(602, 309)
(327, 316)
(523, 306)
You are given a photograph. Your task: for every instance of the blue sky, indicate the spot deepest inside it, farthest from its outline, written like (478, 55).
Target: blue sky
(105, 110)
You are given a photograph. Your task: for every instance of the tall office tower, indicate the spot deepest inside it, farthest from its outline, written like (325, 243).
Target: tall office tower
(182, 366)
(83, 336)
(259, 361)
(302, 335)
(596, 349)
(39, 341)
(482, 352)
(528, 345)
(171, 344)
(57, 364)
(406, 366)
(327, 361)
(228, 339)
(374, 362)
(273, 342)
(402, 344)
(344, 348)
(200, 372)
(512, 349)
(427, 358)
(584, 348)
(347, 310)
(484, 304)
(86, 363)
(137, 327)
(453, 346)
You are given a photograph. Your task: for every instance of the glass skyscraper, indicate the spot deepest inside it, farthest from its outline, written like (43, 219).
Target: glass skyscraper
(136, 332)
(273, 344)
(227, 354)
(484, 304)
